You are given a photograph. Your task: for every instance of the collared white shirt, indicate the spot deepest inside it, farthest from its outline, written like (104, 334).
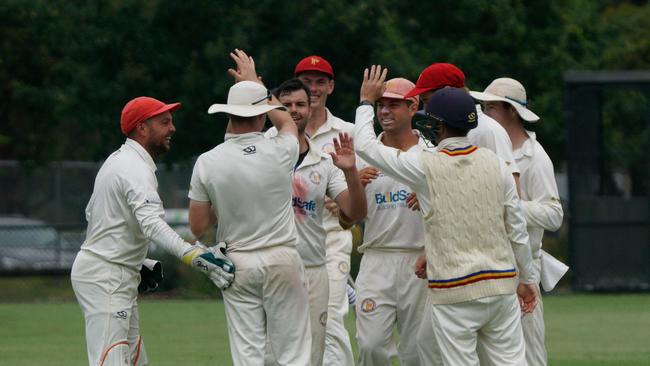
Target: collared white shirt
(540, 199)
(390, 224)
(318, 177)
(247, 179)
(322, 141)
(125, 210)
(407, 167)
(491, 135)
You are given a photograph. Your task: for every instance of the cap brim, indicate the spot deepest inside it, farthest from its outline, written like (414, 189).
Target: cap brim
(415, 92)
(171, 108)
(331, 76)
(525, 113)
(242, 110)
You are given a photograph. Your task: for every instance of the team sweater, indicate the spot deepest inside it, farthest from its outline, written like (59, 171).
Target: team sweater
(467, 247)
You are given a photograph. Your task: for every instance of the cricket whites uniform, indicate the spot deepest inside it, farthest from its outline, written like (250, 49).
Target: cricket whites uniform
(248, 181)
(319, 178)
(124, 213)
(470, 217)
(388, 292)
(541, 205)
(338, 350)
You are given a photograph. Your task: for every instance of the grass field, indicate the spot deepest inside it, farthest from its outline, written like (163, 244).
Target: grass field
(593, 330)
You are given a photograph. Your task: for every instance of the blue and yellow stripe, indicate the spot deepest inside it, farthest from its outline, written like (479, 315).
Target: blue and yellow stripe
(459, 151)
(474, 277)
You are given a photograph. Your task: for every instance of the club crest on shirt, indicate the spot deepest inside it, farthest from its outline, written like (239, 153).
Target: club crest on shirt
(344, 267)
(121, 314)
(368, 305)
(323, 318)
(314, 177)
(328, 148)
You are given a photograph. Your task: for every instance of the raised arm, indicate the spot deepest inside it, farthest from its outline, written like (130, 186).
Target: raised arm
(352, 201)
(245, 70)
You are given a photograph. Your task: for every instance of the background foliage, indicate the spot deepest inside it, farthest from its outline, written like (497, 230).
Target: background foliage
(67, 67)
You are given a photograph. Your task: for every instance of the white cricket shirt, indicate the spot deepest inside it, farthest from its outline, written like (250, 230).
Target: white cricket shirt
(390, 224)
(247, 179)
(322, 141)
(125, 211)
(406, 167)
(491, 135)
(540, 199)
(319, 177)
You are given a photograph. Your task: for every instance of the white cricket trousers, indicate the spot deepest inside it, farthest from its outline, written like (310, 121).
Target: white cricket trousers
(268, 297)
(107, 294)
(389, 295)
(491, 323)
(338, 349)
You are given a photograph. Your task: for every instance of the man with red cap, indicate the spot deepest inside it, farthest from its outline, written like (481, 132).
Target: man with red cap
(389, 295)
(488, 133)
(322, 128)
(124, 214)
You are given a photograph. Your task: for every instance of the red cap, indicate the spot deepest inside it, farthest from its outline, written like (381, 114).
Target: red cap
(436, 76)
(141, 109)
(314, 63)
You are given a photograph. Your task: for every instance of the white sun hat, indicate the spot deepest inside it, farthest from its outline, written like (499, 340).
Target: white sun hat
(510, 91)
(246, 99)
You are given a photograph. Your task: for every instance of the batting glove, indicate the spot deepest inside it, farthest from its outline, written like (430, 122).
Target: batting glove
(213, 262)
(352, 294)
(151, 274)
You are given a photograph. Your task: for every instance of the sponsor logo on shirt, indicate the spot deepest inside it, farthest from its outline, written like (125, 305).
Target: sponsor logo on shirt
(304, 208)
(386, 200)
(248, 150)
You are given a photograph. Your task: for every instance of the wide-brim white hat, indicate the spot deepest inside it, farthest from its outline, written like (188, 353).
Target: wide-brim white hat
(510, 91)
(246, 99)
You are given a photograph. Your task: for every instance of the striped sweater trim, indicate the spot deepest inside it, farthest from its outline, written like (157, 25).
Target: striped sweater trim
(459, 151)
(473, 277)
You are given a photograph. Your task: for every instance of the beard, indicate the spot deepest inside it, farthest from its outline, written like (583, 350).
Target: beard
(158, 146)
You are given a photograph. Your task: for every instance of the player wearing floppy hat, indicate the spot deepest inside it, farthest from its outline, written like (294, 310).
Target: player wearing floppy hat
(124, 214)
(506, 101)
(471, 213)
(245, 184)
(389, 294)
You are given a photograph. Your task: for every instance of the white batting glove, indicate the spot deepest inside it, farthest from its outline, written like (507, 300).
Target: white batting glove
(213, 262)
(352, 294)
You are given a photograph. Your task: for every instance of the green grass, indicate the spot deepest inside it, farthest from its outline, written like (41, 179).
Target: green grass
(581, 330)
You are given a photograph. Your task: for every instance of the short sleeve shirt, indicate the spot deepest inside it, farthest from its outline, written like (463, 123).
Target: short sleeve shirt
(247, 179)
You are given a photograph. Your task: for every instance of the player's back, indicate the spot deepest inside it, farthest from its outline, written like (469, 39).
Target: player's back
(248, 181)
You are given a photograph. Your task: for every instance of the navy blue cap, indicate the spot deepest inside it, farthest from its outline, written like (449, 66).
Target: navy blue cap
(453, 106)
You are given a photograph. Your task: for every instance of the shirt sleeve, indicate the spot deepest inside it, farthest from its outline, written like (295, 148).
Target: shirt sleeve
(337, 183)
(516, 228)
(147, 207)
(287, 147)
(402, 166)
(197, 191)
(543, 208)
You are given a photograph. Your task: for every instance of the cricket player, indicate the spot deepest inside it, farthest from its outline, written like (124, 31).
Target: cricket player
(245, 184)
(488, 132)
(322, 128)
(475, 237)
(316, 176)
(124, 214)
(505, 100)
(389, 294)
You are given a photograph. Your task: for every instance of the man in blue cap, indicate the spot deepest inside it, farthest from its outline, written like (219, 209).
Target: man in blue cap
(471, 213)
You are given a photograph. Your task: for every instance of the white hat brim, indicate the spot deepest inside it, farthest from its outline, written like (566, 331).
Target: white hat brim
(525, 113)
(242, 110)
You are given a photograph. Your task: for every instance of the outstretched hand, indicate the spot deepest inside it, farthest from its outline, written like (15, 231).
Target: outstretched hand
(343, 155)
(245, 67)
(373, 85)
